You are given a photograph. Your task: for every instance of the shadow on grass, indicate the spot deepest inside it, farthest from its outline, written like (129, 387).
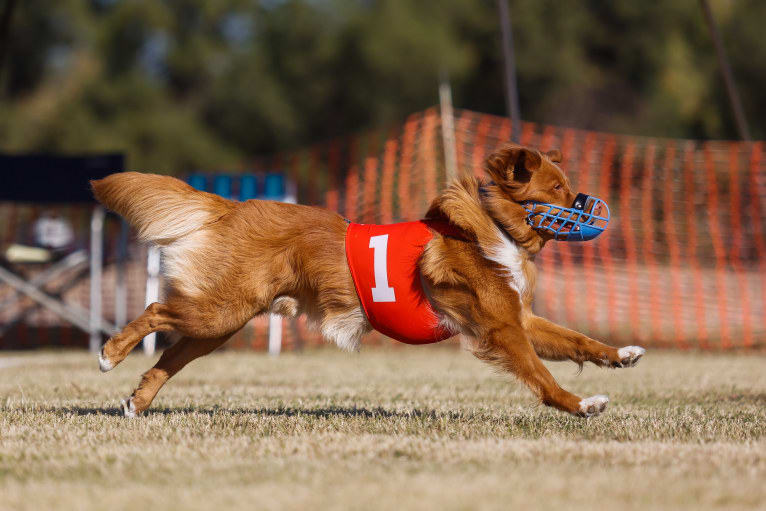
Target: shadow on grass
(327, 412)
(531, 422)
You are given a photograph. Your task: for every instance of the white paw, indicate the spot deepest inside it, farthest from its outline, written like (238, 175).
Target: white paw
(128, 408)
(594, 405)
(103, 363)
(630, 355)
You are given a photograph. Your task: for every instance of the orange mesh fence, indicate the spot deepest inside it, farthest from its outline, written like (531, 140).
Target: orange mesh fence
(682, 264)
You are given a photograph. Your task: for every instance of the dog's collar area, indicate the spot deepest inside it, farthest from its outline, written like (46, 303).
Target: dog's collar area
(446, 228)
(483, 194)
(484, 189)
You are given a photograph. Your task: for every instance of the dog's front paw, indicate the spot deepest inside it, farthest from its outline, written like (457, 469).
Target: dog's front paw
(629, 356)
(592, 406)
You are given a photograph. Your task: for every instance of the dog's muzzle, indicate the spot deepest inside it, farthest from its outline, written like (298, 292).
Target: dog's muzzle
(586, 219)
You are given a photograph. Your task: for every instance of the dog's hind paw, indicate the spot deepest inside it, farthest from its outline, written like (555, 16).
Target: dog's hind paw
(128, 408)
(592, 406)
(629, 355)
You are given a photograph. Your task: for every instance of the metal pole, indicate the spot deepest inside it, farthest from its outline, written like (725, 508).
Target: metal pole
(448, 128)
(73, 313)
(65, 311)
(509, 61)
(72, 260)
(121, 290)
(152, 291)
(96, 262)
(728, 77)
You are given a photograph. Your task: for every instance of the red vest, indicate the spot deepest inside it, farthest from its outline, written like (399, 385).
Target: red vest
(384, 264)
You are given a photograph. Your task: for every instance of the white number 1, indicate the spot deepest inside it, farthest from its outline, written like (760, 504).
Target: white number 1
(381, 292)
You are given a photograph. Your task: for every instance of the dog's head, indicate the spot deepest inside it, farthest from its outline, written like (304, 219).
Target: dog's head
(525, 174)
(531, 197)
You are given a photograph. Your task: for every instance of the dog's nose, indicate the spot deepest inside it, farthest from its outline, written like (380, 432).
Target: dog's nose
(598, 209)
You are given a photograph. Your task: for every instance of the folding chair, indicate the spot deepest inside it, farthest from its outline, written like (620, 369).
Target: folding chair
(54, 179)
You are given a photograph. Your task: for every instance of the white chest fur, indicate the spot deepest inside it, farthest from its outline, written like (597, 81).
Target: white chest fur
(511, 258)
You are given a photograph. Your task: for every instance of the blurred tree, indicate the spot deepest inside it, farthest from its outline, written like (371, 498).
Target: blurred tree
(184, 84)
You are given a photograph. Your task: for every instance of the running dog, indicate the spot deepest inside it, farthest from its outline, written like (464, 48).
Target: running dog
(467, 268)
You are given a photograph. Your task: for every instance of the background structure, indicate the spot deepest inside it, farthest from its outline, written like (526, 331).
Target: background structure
(324, 91)
(683, 263)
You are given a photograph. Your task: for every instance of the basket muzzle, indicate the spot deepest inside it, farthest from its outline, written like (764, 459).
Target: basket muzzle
(586, 219)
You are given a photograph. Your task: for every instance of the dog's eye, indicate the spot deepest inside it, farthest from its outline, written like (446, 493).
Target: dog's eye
(557, 187)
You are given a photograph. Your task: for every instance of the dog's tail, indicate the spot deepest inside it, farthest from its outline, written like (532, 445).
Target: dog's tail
(161, 208)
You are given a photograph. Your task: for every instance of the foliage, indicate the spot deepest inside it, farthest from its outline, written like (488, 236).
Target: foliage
(183, 84)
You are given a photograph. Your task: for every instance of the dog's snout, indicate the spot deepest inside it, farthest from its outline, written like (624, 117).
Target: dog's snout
(598, 209)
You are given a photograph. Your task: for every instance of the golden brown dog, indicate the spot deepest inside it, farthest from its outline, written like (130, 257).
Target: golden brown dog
(226, 262)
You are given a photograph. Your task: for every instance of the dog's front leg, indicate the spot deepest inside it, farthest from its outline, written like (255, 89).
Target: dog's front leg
(509, 348)
(555, 342)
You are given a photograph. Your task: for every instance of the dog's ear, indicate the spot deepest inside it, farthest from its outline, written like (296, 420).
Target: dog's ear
(554, 155)
(513, 163)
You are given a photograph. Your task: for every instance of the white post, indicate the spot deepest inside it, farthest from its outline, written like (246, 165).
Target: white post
(120, 289)
(275, 334)
(96, 261)
(448, 128)
(152, 291)
(275, 320)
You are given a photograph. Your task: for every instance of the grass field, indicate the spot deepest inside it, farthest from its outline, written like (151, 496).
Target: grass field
(415, 428)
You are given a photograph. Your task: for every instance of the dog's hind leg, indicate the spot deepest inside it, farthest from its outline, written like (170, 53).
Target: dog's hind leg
(172, 360)
(554, 342)
(156, 318)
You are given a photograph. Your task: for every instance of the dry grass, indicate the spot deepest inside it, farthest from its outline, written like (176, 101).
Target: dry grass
(407, 428)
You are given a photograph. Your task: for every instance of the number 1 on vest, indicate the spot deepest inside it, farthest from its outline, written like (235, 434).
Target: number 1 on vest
(381, 292)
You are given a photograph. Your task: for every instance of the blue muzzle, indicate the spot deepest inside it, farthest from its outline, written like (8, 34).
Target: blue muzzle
(586, 219)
